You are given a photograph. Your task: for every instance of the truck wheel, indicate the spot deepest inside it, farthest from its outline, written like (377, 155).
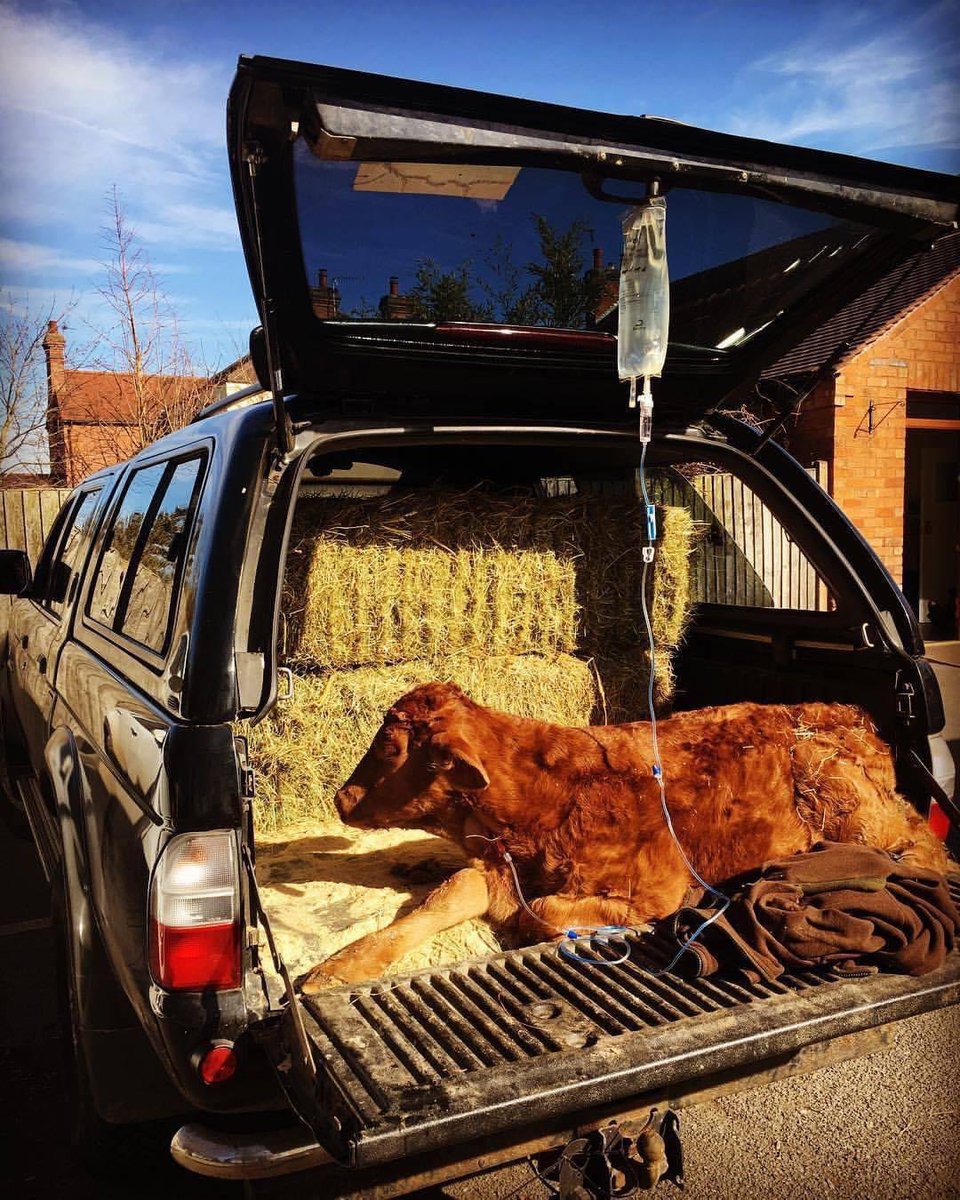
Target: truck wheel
(106, 1149)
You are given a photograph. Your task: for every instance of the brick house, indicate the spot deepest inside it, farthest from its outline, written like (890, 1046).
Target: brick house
(234, 377)
(96, 418)
(887, 423)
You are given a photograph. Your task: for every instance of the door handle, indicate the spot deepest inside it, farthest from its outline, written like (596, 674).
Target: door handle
(42, 664)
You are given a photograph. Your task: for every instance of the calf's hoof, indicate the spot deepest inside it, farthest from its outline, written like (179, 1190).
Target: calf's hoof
(318, 979)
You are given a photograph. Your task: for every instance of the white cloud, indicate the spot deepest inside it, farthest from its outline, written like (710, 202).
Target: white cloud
(846, 87)
(201, 226)
(25, 258)
(83, 108)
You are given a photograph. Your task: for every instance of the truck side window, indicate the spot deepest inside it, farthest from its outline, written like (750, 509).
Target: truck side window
(141, 563)
(63, 565)
(41, 576)
(159, 565)
(743, 555)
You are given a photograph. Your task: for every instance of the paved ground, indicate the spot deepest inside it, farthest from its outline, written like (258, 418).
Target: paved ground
(885, 1127)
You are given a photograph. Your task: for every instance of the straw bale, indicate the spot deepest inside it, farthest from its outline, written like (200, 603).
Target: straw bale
(325, 885)
(378, 605)
(308, 746)
(414, 574)
(491, 591)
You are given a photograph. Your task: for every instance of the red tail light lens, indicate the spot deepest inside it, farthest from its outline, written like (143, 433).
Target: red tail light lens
(218, 1064)
(194, 908)
(938, 821)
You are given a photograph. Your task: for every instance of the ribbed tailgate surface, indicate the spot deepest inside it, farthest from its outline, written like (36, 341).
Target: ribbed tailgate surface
(448, 1054)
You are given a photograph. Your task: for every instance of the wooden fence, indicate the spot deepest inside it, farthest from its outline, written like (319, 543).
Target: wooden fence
(26, 517)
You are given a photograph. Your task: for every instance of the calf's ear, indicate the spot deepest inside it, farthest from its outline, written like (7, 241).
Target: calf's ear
(462, 768)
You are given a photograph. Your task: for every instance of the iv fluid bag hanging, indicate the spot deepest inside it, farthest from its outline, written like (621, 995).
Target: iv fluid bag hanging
(644, 303)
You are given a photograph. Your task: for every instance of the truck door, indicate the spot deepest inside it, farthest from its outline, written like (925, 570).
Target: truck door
(40, 623)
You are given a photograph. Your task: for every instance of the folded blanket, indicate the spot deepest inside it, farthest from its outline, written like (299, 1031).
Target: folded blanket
(848, 907)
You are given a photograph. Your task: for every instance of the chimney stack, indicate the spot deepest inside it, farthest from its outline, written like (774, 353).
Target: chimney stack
(323, 277)
(54, 346)
(393, 306)
(598, 258)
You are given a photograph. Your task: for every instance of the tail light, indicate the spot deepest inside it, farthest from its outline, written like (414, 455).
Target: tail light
(938, 821)
(195, 914)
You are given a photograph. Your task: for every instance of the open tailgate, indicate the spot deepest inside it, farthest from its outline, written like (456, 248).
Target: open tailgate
(448, 1055)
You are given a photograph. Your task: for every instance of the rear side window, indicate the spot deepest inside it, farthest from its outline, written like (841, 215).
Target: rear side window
(139, 573)
(64, 567)
(743, 555)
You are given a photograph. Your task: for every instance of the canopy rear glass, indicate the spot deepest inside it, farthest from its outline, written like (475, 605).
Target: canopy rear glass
(512, 244)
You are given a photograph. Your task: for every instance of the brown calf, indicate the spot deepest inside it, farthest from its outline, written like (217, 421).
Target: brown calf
(579, 809)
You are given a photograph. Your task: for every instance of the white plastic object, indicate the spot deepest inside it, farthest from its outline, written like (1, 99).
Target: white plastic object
(196, 883)
(644, 301)
(644, 409)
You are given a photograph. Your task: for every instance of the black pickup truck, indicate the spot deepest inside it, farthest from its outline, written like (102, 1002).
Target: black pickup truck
(147, 635)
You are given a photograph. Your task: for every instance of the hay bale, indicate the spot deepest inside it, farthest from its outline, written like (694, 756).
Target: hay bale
(417, 574)
(308, 746)
(491, 591)
(378, 605)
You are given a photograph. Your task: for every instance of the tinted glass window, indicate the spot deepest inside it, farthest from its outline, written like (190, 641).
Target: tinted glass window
(136, 583)
(150, 600)
(41, 576)
(742, 555)
(522, 245)
(122, 542)
(66, 563)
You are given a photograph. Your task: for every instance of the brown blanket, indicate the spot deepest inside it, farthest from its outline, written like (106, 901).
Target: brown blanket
(849, 907)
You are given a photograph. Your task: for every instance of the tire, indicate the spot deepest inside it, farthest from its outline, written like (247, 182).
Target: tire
(107, 1150)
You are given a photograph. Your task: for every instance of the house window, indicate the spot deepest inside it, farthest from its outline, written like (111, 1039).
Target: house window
(926, 410)
(139, 573)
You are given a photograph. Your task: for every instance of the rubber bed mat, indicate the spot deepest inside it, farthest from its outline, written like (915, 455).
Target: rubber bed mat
(410, 1064)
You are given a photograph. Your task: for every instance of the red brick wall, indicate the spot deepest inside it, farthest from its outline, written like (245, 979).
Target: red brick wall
(90, 447)
(861, 429)
(813, 436)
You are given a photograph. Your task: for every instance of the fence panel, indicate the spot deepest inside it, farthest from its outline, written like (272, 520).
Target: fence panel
(26, 518)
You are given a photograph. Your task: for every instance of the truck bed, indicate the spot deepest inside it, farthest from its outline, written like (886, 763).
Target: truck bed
(451, 1054)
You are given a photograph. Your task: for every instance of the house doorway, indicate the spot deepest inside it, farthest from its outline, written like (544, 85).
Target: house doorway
(931, 544)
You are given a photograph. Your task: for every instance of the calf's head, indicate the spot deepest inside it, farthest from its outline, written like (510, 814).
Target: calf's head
(419, 765)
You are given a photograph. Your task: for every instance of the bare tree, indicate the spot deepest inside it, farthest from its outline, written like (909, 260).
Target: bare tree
(23, 390)
(148, 383)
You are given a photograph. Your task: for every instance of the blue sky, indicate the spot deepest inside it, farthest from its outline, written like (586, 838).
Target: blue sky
(97, 94)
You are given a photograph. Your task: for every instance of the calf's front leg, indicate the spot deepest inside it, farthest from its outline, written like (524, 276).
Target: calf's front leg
(463, 896)
(555, 915)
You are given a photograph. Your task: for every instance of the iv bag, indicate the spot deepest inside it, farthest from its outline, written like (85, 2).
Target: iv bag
(644, 302)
